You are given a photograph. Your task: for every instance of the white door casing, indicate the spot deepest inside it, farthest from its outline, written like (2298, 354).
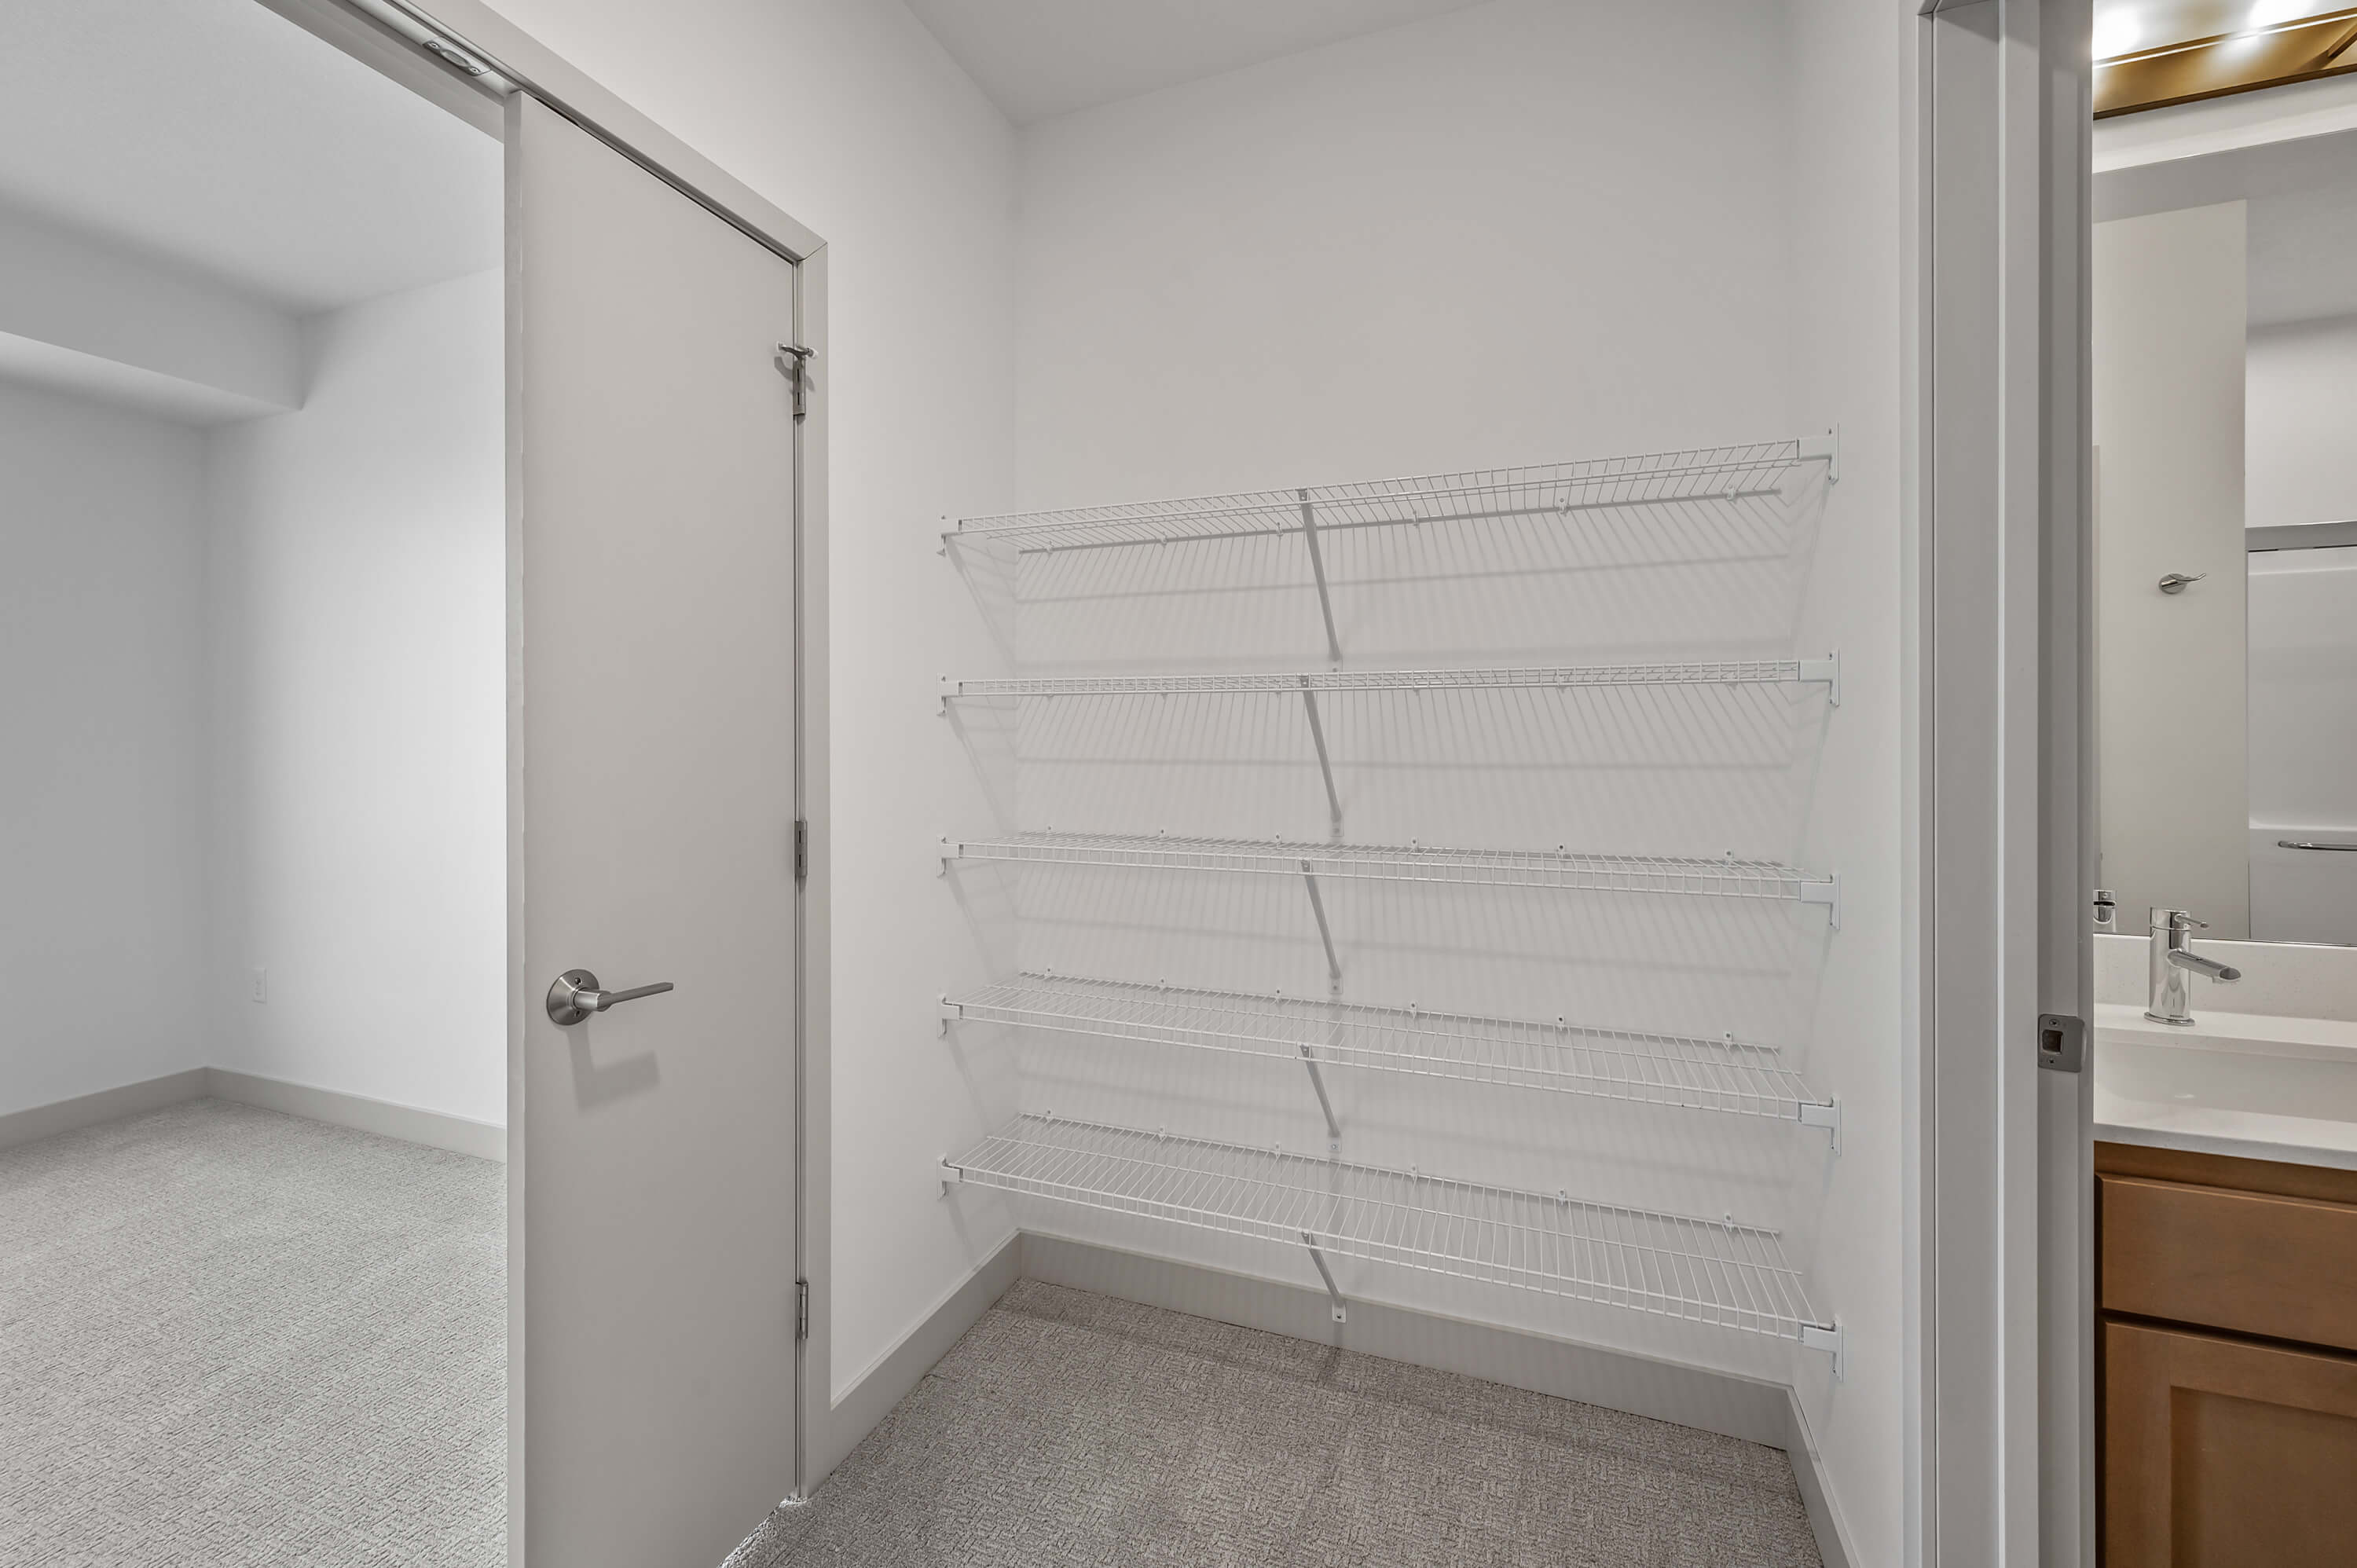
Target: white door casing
(2001, 1415)
(653, 634)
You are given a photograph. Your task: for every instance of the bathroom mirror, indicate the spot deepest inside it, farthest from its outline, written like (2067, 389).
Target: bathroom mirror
(2225, 418)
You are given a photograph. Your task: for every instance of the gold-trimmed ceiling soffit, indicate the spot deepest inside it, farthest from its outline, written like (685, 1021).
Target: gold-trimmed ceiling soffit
(2298, 50)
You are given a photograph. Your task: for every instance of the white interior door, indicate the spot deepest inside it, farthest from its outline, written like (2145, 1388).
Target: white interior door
(651, 555)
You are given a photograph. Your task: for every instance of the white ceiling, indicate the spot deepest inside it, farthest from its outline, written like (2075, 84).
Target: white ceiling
(2302, 216)
(217, 136)
(1042, 57)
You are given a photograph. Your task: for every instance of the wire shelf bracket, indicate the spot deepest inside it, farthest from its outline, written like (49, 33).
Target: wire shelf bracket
(1687, 1072)
(1333, 1291)
(1318, 567)
(1827, 893)
(1825, 449)
(1824, 1113)
(1717, 1271)
(1701, 476)
(1832, 1339)
(1561, 869)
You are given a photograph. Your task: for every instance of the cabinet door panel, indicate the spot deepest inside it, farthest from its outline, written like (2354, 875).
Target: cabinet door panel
(2220, 1452)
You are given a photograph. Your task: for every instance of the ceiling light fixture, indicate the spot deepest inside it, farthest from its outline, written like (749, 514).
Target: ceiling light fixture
(2118, 33)
(2268, 13)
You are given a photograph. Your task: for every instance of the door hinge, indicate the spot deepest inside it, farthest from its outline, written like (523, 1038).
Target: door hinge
(794, 364)
(802, 1309)
(801, 849)
(2062, 1042)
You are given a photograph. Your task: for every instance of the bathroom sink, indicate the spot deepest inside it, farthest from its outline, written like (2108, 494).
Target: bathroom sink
(2240, 1078)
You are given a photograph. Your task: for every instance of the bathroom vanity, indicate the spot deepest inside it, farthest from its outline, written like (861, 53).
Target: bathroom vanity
(2226, 1264)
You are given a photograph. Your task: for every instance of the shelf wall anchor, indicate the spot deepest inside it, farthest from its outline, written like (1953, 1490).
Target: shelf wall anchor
(1827, 670)
(1827, 893)
(1830, 1338)
(1341, 1312)
(1827, 447)
(1826, 1114)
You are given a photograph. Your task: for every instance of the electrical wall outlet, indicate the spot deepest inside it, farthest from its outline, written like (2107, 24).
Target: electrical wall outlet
(261, 978)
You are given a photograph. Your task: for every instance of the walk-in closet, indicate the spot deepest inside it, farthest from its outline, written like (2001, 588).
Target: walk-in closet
(937, 783)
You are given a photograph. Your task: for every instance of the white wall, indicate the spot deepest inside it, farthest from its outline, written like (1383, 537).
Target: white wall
(2301, 382)
(1853, 214)
(2303, 737)
(848, 115)
(1490, 239)
(2168, 325)
(101, 772)
(357, 597)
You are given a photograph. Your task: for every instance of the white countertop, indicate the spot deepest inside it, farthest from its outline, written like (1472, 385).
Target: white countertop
(2228, 1085)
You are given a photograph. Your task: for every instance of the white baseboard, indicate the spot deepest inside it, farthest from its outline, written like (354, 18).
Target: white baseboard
(1809, 1470)
(435, 1129)
(105, 1105)
(888, 1378)
(1748, 1408)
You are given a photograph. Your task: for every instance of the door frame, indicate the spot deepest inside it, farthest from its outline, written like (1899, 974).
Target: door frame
(2000, 1191)
(388, 35)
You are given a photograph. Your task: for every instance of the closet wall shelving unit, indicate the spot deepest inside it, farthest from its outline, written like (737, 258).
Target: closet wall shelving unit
(1709, 1271)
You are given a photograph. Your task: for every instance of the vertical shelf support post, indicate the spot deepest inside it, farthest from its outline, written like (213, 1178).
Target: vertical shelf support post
(1333, 1291)
(1318, 1082)
(1333, 989)
(1318, 567)
(1325, 932)
(1325, 763)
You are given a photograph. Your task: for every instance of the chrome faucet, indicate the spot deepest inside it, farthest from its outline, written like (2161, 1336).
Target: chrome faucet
(2172, 960)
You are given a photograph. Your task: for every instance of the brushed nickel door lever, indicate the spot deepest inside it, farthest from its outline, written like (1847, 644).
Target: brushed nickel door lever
(575, 997)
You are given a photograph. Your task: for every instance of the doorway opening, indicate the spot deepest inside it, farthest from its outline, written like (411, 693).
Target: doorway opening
(253, 1104)
(2224, 599)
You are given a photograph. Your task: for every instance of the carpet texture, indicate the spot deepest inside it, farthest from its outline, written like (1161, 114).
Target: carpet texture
(1068, 1430)
(233, 1337)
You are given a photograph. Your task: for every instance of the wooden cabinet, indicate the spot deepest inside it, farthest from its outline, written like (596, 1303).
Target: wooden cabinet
(2285, 1268)
(2225, 1452)
(2228, 1291)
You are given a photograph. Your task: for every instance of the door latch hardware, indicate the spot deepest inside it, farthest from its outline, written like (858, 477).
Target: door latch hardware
(794, 364)
(575, 995)
(2062, 1042)
(453, 55)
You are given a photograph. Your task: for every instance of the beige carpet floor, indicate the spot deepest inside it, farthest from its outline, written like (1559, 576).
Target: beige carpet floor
(1067, 1430)
(237, 1339)
(229, 1337)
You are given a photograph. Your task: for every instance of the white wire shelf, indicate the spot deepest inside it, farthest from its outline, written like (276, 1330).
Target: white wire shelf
(1693, 1073)
(1703, 1271)
(1558, 869)
(1702, 475)
(1716, 673)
